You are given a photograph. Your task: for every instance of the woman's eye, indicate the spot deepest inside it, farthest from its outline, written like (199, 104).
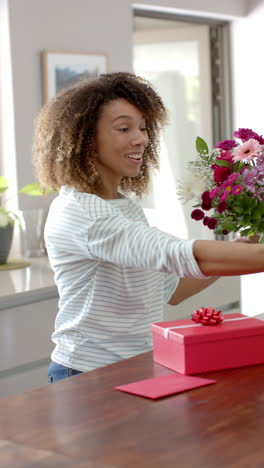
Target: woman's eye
(123, 129)
(144, 129)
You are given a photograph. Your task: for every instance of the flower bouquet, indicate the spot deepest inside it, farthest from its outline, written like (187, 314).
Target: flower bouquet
(227, 184)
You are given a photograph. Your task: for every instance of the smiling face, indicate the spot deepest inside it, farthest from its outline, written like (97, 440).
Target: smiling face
(121, 139)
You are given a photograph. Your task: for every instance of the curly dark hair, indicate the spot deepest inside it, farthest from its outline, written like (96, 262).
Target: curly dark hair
(65, 130)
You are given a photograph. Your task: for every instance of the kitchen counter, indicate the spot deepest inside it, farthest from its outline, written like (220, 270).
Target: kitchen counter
(33, 283)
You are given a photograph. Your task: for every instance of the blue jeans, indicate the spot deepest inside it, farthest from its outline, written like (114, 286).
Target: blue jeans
(58, 372)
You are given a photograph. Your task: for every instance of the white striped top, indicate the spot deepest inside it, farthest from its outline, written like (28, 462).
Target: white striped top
(114, 273)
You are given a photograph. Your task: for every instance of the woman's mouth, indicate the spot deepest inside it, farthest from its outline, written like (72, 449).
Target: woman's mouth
(135, 158)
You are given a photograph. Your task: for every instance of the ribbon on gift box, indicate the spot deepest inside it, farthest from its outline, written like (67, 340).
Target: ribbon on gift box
(166, 330)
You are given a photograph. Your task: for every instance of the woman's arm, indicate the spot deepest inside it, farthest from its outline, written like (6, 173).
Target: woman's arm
(221, 258)
(187, 287)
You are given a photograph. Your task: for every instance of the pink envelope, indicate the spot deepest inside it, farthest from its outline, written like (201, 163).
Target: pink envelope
(164, 385)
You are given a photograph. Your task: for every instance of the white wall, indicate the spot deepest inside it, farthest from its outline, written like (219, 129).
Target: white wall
(66, 25)
(248, 69)
(248, 72)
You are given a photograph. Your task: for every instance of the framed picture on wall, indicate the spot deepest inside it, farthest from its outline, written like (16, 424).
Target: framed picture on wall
(62, 69)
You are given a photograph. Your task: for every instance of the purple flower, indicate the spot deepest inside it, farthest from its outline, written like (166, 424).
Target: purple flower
(205, 220)
(226, 144)
(249, 178)
(246, 134)
(260, 194)
(260, 164)
(197, 214)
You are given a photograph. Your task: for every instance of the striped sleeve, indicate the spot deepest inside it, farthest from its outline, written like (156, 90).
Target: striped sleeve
(116, 239)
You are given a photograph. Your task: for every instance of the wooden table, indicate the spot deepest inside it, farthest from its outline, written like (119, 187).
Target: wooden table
(83, 422)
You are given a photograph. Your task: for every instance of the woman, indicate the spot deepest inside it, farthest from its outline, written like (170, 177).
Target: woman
(96, 143)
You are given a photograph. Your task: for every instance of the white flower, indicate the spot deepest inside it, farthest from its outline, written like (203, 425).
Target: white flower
(4, 220)
(191, 187)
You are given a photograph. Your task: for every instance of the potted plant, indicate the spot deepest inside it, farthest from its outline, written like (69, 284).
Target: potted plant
(8, 217)
(7, 222)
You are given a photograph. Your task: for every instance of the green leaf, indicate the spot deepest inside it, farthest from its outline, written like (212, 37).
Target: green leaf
(32, 189)
(257, 213)
(245, 232)
(228, 227)
(222, 163)
(201, 146)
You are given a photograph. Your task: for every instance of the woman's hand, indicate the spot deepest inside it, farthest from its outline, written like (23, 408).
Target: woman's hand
(248, 240)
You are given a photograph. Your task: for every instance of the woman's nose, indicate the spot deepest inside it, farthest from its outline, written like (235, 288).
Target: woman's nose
(140, 138)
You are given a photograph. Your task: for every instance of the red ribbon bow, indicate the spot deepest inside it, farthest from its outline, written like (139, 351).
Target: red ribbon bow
(207, 316)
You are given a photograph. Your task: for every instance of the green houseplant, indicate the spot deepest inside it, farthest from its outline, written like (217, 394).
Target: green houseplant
(7, 221)
(8, 218)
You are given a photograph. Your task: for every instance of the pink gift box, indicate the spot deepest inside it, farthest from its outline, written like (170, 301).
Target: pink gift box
(190, 348)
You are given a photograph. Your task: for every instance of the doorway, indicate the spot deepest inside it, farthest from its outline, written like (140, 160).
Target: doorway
(176, 57)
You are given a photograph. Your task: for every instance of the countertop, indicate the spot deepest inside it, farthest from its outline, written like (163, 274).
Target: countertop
(33, 283)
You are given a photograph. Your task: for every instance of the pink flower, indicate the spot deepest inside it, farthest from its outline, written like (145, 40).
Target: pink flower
(226, 156)
(246, 133)
(214, 192)
(247, 150)
(226, 144)
(233, 177)
(237, 189)
(224, 195)
(197, 214)
(220, 173)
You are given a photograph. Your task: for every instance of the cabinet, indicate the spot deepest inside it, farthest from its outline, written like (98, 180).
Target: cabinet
(25, 345)
(28, 307)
